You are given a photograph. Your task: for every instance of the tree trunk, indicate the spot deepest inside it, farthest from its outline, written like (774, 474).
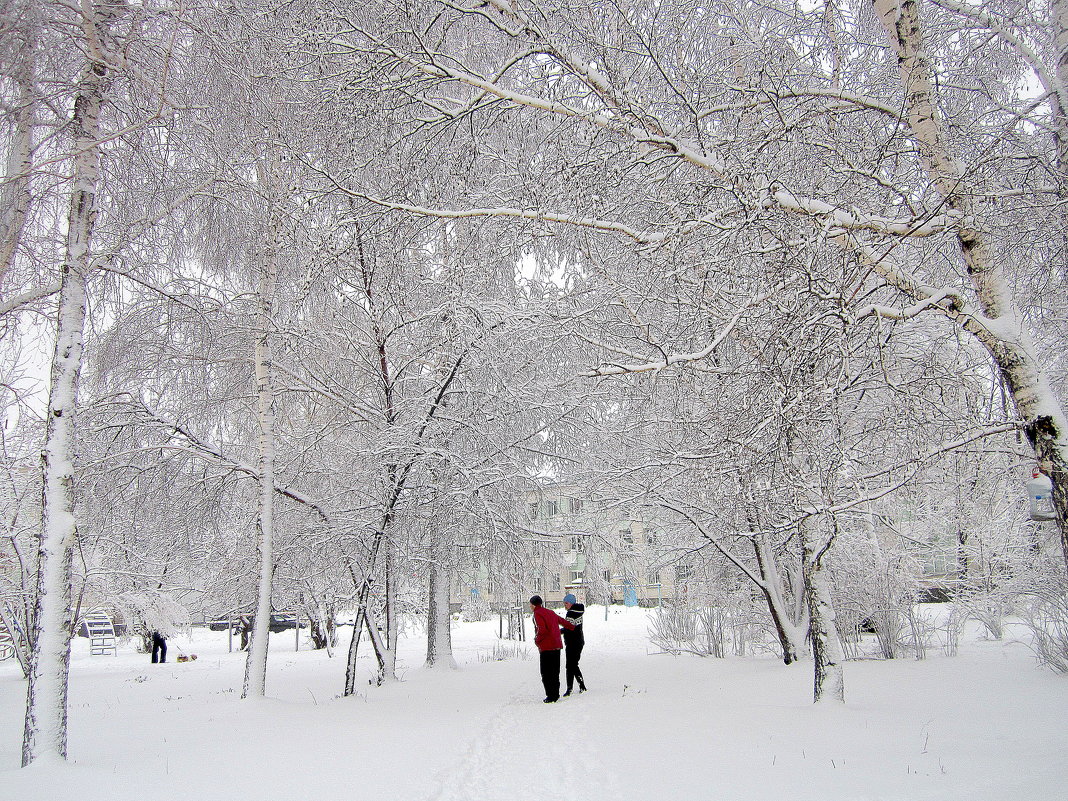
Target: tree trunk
(363, 598)
(827, 652)
(388, 657)
(255, 683)
(15, 189)
(1059, 97)
(1003, 332)
(439, 620)
(45, 731)
(791, 632)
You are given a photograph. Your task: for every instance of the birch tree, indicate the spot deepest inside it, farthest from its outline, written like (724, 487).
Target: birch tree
(45, 732)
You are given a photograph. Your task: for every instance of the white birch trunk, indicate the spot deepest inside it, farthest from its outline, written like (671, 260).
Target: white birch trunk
(15, 189)
(1059, 97)
(439, 620)
(255, 684)
(828, 655)
(1003, 332)
(45, 730)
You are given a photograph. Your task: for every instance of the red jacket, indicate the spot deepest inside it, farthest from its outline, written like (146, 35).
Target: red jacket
(547, 629)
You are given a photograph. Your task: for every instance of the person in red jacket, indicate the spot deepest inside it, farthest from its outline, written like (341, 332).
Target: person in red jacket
(547, 637)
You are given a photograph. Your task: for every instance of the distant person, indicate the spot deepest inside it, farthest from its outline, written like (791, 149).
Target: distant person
(573, 642)
(547, 637)
(159, 648)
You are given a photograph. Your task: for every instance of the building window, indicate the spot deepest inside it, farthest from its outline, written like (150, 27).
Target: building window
(576, 542)
(654, 577)
(683, 571)
(552, 508)
(534, 510)
(650, 538)
(536, 585)
(576, 505)
(555, 582)
(607, 575)
(626, 537)
(576, 576)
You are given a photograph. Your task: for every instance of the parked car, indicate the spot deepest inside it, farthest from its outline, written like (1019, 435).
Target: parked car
(280, 621)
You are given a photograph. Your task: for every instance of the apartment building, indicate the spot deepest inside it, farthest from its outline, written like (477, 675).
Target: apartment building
(572, 544)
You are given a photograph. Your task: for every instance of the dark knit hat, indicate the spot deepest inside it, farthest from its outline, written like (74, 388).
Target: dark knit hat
(536, 600)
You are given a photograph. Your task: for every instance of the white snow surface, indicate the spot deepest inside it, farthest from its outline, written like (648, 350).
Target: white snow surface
(988, 723)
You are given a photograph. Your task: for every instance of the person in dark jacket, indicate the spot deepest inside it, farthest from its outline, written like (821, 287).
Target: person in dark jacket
(573, 642)
(159, 648)
(547, 637)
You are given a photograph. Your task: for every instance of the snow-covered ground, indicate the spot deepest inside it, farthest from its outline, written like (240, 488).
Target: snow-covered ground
(986, 724)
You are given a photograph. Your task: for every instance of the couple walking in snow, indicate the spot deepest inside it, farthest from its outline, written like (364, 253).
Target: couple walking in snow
(547, 625)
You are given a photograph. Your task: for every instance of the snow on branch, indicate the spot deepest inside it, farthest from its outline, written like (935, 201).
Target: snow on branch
(956, 302)
(840, 219)
(1050, 81)
(649, 132)
(642, 237)
(32, 295)
(677, 358)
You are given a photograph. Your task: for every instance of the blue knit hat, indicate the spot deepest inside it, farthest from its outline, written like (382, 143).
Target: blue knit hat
(570, 599)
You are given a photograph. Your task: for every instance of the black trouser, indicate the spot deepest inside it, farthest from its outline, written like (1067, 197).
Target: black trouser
(159, 649)
(571, 660)
(550, 673)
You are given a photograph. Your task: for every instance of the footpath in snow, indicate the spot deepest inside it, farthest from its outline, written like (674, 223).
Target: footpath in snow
(986, 724)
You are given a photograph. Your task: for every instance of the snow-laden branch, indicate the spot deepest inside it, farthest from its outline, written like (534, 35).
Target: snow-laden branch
(956, 444)
(643, 237)
(839, 219)
(956, 303)
(643, 128)
(678, 358)
(715, 541)
(646, 237)
(35, 294)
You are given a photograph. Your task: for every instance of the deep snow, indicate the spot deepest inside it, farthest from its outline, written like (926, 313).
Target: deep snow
(986, 724)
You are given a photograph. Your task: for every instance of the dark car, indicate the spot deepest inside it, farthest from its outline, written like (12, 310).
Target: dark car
(280, 621)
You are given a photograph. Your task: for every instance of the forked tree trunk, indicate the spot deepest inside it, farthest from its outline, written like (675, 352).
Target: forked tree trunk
(45, 730)
(791, 626)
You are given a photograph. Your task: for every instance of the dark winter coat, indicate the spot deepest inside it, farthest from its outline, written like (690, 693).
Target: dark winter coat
(575, 638)
(547, 629)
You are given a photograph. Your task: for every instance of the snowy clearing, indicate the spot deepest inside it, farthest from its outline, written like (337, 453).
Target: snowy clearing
(987, 724)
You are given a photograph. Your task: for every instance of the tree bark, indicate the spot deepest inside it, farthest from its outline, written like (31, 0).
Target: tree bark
(255, 683)
(791, 634)
(827, 653)
(388, 657)
(45, 729)
(15, 189)
(439, 620)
